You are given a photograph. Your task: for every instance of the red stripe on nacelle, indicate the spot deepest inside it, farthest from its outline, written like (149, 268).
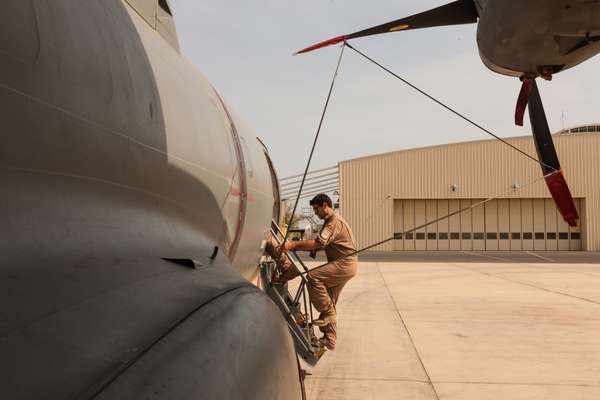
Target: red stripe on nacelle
(562, 197)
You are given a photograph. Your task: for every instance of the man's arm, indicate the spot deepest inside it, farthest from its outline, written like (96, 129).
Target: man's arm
(302, 245)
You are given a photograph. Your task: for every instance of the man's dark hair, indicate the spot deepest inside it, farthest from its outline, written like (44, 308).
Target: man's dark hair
(321, 199)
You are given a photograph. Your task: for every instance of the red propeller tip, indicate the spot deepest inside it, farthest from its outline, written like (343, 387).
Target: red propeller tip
(562, 197)
(325, 43)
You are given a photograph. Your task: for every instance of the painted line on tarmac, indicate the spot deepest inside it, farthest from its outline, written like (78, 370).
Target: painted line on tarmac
(397, 309)
(472, 253)
(525, 284)
(587, 385)
(542, 257)
(366, 379)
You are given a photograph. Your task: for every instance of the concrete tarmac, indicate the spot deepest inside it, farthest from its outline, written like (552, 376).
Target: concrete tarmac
(465, 330)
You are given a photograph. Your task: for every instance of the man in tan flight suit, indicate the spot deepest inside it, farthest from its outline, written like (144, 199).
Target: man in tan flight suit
(326, 283)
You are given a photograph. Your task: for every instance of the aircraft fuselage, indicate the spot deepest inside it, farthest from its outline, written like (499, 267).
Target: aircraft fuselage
(117, 156)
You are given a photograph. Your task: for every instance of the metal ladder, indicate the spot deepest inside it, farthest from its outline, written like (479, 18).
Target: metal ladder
(296, 308)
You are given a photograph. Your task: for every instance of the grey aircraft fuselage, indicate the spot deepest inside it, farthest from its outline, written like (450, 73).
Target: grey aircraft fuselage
(116, 154)
(537, 37)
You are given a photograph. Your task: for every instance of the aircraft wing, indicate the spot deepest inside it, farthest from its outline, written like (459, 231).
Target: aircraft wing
(455, 13)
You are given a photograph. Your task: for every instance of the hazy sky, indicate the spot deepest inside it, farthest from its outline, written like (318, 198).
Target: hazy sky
(245, 49)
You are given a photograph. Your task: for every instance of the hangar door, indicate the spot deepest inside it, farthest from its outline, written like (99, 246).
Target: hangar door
(504, 224)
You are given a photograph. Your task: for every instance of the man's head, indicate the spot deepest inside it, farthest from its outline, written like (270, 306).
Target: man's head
(322, 205)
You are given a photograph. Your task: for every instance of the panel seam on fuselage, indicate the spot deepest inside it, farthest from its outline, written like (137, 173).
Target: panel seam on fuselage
(111, 131)
(133, 361)
(100, 180)
(84, 300)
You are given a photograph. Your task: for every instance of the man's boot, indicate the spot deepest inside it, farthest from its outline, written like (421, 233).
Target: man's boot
(325, 342)
(325, 318)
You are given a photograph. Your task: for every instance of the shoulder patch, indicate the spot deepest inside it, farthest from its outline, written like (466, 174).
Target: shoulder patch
(328, 233)
(325, 233)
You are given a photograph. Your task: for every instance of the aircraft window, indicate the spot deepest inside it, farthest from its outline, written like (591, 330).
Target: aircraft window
(515, 236)
(454, 235)
(527, 236)
(539, 236)
(466, 236)
(551, 235)
(575, 236)
(563, 235)
(431, 236)
(420, 235)
(478, 236)
(492, 236)
(408, 236)
(443, 236)
(397, 236)
(503, 235)
(165, 6)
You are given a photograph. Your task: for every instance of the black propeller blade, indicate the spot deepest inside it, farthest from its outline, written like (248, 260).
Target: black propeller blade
(547, 155)
(455, 13)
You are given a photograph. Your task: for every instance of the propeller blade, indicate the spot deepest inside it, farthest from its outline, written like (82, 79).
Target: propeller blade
(522, 101)
(455, 13)
(559, 189)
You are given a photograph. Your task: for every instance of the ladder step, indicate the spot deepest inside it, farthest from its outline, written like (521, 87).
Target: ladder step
(306, 343)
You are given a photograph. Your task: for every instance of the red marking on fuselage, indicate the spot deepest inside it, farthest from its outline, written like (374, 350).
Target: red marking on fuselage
(243, 190)
(237, 193)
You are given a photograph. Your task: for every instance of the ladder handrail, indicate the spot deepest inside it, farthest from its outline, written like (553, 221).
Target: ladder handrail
(297, 309)
(278, 235)
(295, 260)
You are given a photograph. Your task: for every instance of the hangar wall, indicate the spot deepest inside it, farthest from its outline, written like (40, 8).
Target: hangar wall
(370, 186)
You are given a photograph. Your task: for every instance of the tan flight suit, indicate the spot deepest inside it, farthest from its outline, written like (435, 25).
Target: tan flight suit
(326, 283)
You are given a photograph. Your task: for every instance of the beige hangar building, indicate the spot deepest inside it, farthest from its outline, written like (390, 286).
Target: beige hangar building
(388, 194)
